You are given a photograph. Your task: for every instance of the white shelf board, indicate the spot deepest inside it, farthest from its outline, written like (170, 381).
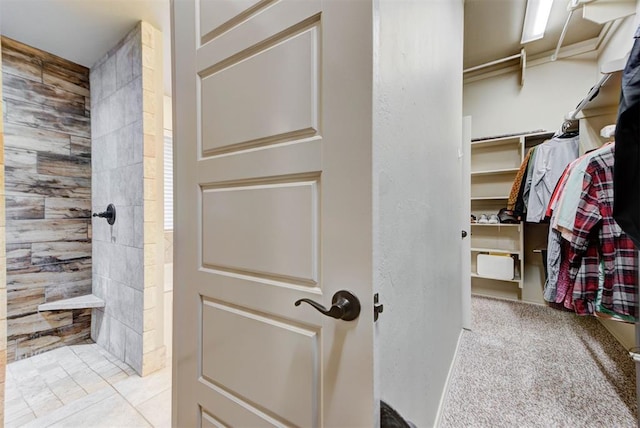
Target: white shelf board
(495, 171)
(496, 142)
(488, 198)
(614, 66)
(516, 279)
(495, 250)
(535, 135)
(537, 138)
(603, 11)
(497, 225)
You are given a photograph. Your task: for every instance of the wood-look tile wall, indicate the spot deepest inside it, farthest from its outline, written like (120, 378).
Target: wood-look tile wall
(47, 150)
(3, 269)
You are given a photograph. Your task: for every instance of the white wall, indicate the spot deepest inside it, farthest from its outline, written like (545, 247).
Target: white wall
(168, 248)
(416, 171)
(499, 105)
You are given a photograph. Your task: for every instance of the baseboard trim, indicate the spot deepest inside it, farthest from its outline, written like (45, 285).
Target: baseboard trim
(447, 384)
(624, 333)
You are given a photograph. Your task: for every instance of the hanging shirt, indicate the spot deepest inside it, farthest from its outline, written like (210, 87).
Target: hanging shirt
(558, 287)
(573, 192)
(553, 265)
(518, 182)
(552, 157)
(626, 208)
(583, 287)
(526, 189)
(554, 241)
(557, 192)
(566, 284)
(594, 219)
(601, 311)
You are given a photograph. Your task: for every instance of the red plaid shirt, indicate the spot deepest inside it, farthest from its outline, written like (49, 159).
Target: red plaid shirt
(596, 235)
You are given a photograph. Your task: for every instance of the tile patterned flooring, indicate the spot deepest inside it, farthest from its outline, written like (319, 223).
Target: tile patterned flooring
(84, 385)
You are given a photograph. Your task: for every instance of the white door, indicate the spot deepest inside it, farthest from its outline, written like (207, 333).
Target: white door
(465, 158)
(272, 126)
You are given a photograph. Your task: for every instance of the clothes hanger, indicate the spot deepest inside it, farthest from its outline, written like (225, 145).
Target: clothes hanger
(569, 129)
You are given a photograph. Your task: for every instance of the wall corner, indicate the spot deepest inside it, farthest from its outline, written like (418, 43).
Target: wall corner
(154, 349)
(3, 263)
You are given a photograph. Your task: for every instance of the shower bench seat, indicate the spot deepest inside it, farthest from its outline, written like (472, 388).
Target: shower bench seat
(79, 302)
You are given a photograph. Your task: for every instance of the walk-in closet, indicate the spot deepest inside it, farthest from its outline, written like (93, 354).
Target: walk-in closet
(551, 176)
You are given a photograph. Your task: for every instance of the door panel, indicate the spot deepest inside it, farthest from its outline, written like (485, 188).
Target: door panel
(267, 230)
(274, 91)
(259, 353)
(224, 403)
(215, 18)
(272, 118)
(209, 421)
(278, 22)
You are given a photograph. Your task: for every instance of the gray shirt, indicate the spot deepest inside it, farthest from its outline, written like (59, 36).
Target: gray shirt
(552, 157)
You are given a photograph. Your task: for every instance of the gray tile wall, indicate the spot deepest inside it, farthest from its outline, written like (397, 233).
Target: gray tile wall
(117, 177)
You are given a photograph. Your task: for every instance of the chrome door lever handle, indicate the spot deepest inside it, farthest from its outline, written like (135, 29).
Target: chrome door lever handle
(345, 306)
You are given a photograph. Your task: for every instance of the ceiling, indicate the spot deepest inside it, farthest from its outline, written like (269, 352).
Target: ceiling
(492, 30)
(84, 30)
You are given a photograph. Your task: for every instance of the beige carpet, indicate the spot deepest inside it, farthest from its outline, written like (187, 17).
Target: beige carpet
(533, 366)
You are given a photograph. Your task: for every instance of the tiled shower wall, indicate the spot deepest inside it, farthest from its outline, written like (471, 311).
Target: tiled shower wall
(47, 150)
(124, 168)
(3, 264)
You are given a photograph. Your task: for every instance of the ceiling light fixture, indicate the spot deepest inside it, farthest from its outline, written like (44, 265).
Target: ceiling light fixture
(535, 20)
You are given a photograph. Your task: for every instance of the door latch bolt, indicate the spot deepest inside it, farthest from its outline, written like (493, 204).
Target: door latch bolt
(377, 307)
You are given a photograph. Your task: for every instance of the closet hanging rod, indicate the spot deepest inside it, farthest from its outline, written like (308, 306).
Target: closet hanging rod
(590, 96)
(564, 33)
(489, 64)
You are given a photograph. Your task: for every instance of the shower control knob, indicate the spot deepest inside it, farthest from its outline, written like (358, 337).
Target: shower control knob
(109, 214)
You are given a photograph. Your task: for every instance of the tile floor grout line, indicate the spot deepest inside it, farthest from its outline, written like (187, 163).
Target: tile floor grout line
(71, 376)
(25, 401)
(71, 365)
(141, 414)
(30, 410)
(56, 395)
(79, 410)
(47, 388)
